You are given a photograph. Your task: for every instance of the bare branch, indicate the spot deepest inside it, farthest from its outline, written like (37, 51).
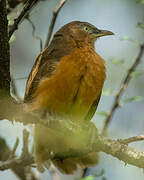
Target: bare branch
(122, 152)
(112, 147)
(25, 151)
(55, 13)
(27, 7)
(14, 148)
(84, 172)
(14, 90)
(33, 33)
(13, 3)
(102, 144)
(131, 139)
(17, 162)
(6, 154)
(122, 89)
(116, 148)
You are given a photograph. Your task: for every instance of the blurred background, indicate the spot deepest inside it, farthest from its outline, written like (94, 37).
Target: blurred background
(119, 16)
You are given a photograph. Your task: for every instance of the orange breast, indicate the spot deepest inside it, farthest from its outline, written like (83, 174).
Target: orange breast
(76, 83)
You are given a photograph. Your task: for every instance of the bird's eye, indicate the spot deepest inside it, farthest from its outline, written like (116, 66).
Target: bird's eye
(86, 28)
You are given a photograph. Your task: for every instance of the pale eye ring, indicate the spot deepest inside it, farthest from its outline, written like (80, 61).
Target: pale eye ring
(86, 28)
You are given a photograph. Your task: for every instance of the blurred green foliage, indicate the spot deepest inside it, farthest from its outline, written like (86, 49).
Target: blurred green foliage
(12, 39)
(102, 113)
(108, 92)
(131, 99)
(117, 62)
(142, 1)
(137, 73)
(92, 177)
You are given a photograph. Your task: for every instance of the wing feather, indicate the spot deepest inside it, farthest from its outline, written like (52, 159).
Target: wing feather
(92, 109)
(46, 63)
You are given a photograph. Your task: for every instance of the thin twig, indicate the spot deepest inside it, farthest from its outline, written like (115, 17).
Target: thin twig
(14, 90)
(84, 172)
(14, 148)
(131, 139)
(6, 158)
(122, 89)
(27, 7)
(51, 27)
(33, 33)
(17, 162)
(25, 151)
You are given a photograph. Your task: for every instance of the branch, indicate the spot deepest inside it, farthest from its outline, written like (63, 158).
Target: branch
(131, 139)
(116, 148)
(8, 160)
(13, 3)
(25, 151)
(33, 33)
(122, 141)
(14, 90)
(17, 162)
(112, 147)
(55, 13)
(6, 154)
(122, 152)
(5, 100)
(27, 7)
(12, 154)
(122, 89)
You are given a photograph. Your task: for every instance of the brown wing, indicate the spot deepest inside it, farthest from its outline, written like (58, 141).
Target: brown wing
(46, 63)
(42, 68)
(92, 110)
(30, 80)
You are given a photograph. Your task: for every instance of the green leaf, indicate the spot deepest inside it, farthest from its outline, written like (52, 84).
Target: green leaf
(104, 178)
(126, 38)
(141, 25)
(107, 92)
(142, 1)
(10, 22)
(102, 113)
(117, 62)
(91, 177)
(134, 98)
(137, 73)
(12, 39)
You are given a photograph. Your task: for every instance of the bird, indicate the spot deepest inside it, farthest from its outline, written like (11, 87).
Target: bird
(66, 83)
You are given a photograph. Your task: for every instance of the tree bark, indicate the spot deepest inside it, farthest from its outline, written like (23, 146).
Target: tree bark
(4, 49)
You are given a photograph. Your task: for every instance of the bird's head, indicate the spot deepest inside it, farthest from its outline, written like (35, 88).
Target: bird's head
(84, 31)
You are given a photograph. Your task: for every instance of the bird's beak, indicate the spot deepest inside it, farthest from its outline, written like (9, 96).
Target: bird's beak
(104, 33)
